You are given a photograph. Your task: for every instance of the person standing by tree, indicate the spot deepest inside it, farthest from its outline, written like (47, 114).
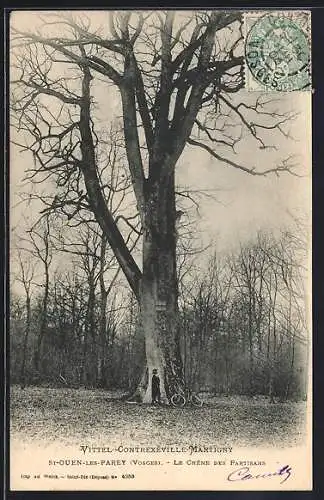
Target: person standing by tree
(156, 393)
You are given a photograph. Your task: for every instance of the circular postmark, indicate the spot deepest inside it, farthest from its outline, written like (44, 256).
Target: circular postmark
(277, 53)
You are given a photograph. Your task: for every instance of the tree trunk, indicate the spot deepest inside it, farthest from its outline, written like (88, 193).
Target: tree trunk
(291, 370)
(43, 322)
(250, 334)
(101, 344)
(159, 294)
(26, 337)
(228, 352)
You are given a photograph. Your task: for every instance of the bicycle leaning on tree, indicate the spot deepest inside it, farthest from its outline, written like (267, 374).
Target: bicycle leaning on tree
(185, 397)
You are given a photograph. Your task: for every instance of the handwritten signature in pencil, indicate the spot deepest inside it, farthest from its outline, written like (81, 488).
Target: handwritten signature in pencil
(244, 474)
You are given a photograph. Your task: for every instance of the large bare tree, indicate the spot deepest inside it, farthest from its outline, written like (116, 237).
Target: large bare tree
(177, 77)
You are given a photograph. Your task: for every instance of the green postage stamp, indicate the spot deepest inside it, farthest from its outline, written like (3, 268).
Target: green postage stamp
(278, 51)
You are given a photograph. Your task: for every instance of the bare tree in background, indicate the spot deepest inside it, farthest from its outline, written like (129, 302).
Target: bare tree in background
(42, 248)
(25, 277)
(176, 76)
(89, 250)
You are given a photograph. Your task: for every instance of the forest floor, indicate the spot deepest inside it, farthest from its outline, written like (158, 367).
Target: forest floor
(71, 416)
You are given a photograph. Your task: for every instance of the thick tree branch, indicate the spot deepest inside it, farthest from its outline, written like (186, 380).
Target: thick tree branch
(221, 22)
(96, 199)
(163, 96)
(143, 108)
(182, 130)
(131, 135)
(92, 62)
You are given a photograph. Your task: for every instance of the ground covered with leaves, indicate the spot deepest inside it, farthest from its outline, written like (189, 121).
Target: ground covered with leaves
(72, 416)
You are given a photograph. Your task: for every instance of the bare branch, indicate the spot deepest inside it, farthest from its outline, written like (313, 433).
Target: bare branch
(284, 167)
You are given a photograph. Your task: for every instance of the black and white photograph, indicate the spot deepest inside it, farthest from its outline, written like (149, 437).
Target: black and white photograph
(160, 333)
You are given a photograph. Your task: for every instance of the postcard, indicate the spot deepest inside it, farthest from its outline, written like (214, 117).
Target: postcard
(160, 250)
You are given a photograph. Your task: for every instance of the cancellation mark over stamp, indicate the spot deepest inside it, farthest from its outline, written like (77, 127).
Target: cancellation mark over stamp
(277, 51)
